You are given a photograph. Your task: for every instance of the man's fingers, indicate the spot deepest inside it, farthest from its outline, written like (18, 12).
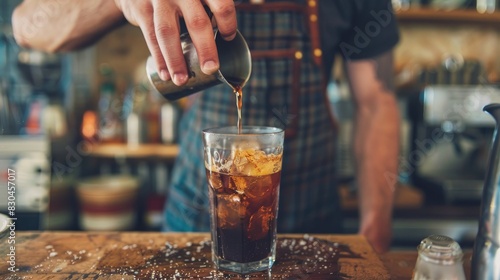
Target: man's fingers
(161, 32)
(224, 13)
(201, 32)
(147, 27)
(168, 38)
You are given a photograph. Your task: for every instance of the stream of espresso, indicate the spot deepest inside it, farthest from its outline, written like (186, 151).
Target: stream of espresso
(239, 103)
(237, 87)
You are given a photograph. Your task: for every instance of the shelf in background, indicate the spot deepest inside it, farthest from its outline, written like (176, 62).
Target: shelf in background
(160, 151)
(430, 15)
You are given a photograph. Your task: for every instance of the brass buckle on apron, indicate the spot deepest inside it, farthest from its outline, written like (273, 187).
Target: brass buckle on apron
(310, 11)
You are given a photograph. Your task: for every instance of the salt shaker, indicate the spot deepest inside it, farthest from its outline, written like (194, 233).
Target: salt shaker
(439, 258)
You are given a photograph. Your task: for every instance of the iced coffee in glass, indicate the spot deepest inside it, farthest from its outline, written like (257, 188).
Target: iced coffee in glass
(243, 173)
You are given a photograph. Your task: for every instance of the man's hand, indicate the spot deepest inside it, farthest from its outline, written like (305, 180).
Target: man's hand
(159, 22)
(378, 232)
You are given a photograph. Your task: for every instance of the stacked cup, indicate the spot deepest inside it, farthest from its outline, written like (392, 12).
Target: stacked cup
(108, 202)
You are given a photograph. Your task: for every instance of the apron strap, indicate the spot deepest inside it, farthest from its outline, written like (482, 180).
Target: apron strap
(311, 13)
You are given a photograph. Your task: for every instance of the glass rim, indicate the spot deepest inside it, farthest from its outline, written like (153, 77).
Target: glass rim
(256, 130)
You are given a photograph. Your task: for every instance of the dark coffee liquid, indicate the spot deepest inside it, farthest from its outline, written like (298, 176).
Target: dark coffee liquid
(235, 246)
(245, 214)
(239, 104)
(237, 85)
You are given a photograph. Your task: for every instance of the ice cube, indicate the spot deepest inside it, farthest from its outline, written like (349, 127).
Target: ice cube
(261, 193)
(244, 162)
(231, 209)
(260, 223)
(239, 184)
(247, 145)
(214, 180)
(239, 162)
(255, 162)
(250, 169)
(271, 165)
(259, 187)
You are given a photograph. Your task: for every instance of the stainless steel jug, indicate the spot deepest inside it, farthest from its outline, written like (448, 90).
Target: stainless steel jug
(235, 68)
(486, 254)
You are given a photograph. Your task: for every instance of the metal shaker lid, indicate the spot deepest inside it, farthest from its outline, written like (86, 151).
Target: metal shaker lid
(440, 249)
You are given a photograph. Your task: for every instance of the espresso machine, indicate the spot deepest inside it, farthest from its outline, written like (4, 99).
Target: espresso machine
(450, 140)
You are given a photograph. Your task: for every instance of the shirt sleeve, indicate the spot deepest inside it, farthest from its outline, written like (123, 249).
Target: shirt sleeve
(373, 30)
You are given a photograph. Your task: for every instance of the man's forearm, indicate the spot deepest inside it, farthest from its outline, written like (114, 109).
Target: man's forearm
(376, 145)
(63, 25)
(376, 150)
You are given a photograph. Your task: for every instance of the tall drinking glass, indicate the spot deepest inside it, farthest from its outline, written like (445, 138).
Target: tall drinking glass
(243, 173)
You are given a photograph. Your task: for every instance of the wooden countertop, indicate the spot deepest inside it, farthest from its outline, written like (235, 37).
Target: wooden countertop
(132, 255)
(141, 151)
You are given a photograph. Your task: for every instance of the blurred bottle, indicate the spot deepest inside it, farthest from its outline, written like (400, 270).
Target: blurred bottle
(34, 124)
(89, 125)
(152, 117)
(133, 107)
(54, 120)
(170, 112)
(486, 6)
(401, 4)
(439, 258)
(109, 108)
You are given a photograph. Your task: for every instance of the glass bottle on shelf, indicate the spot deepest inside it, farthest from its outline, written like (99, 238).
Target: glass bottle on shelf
(486, 6)
(109, 108)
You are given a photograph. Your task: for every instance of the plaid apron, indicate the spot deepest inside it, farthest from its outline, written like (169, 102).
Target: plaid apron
(287, 90)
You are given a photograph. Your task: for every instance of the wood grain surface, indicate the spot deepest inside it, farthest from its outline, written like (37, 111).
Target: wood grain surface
(130, 255)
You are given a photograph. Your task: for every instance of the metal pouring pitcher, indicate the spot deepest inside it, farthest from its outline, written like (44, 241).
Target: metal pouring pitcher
(486, 254)
(235, 68)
